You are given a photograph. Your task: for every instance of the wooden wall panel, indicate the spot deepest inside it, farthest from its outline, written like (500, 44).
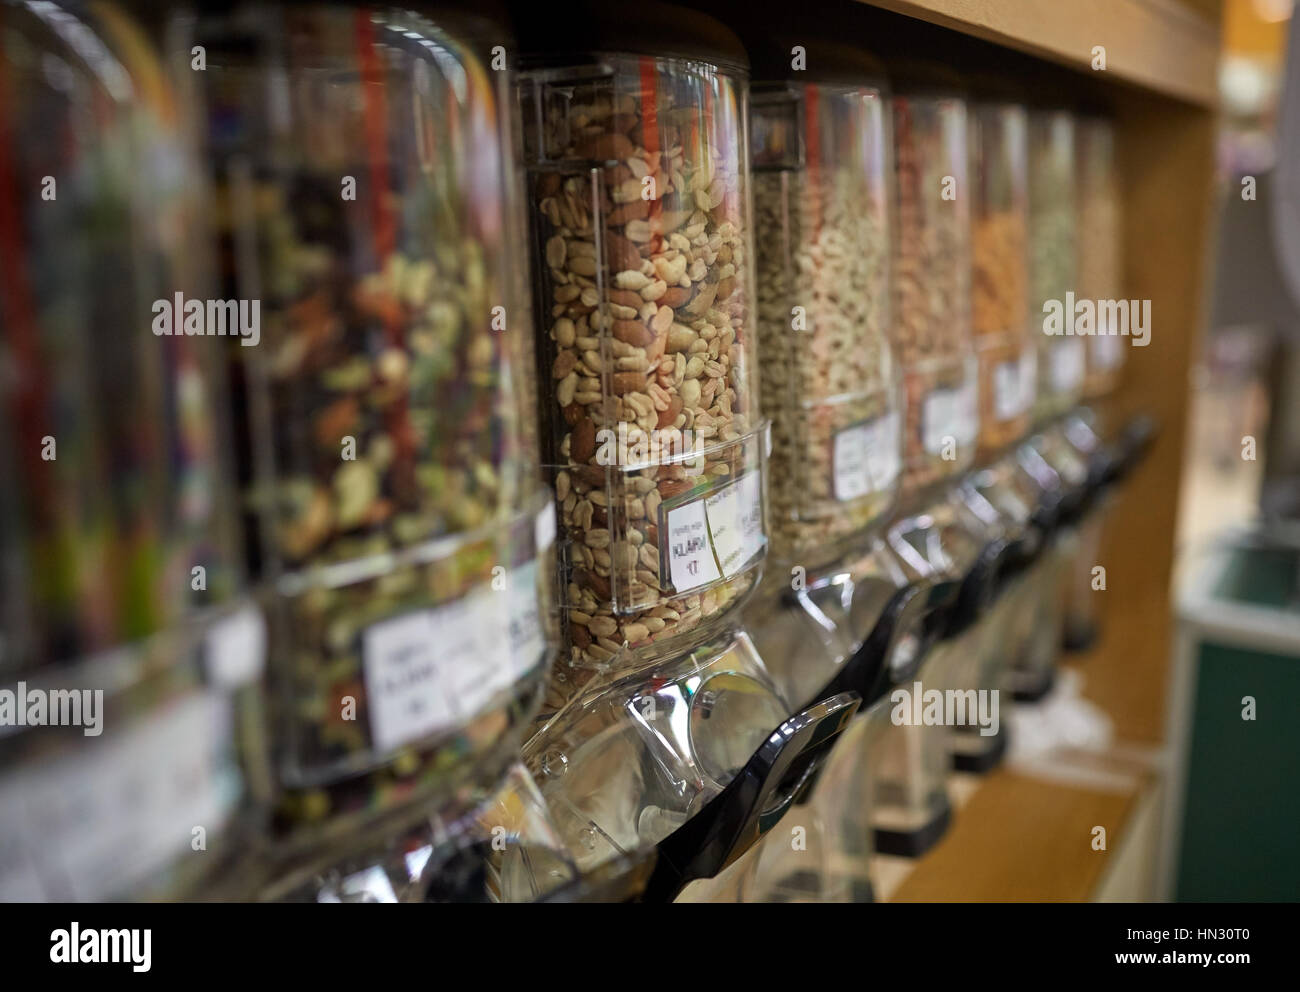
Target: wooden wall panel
(1166, 155)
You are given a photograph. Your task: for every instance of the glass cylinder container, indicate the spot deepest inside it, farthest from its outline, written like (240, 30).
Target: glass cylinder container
(797, 861)
(124, 654)
(114, 433)
(821, 160)
(910, 755)
(842, 803)
(910, 809)
(1000, 276)
(638, 189)
(704, 720)
(932, 266)
(1053, 272)
(1099, 248)
(491, 844)
(823, 174)
(363, 159)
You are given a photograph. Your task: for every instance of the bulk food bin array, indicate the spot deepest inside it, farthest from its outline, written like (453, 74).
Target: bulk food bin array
(643, 245)
(601, 416)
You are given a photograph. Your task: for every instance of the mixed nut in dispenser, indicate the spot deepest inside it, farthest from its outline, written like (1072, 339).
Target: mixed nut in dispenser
(638, 191)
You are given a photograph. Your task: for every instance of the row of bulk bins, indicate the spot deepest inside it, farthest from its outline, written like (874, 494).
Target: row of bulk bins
(427, 431)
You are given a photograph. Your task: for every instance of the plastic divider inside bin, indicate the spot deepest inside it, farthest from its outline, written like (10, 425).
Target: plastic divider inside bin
(753, 802)
(978, 588)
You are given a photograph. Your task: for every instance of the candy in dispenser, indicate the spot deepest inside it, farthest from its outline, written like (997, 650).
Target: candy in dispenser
(126, 651)
(385, 418)
(639, 201)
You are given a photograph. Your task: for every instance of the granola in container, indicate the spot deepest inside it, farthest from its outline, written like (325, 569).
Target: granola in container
(1052, 260)
(821, 200)
(638, 190)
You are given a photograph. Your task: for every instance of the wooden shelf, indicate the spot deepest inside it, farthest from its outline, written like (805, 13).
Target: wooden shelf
(1021, 838)
(1166, 46)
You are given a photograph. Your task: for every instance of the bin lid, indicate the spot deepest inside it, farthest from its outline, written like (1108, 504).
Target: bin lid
(552, 36)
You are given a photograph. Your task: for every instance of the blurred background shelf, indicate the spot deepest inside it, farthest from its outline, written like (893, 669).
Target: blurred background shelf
(1021, 838)
(1169, 47)
(1026, 833)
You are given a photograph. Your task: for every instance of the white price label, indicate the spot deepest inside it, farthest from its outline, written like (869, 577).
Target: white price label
(431, 669)
(527, 640)
(949, 413)
(485, 664)
(735, 516)
(1010, 396)
(235, 648)
(690, 551)
(1067, 356)
(544, 527)
(1028, 377)
(121, 806)
(968, 412)
(866, 457)
(717, 535)
(1107, 351)
(405, 683)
